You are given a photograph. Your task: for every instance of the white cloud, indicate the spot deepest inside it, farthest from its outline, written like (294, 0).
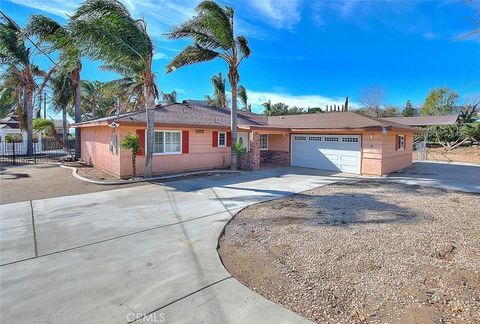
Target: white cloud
(256, 98)
(278, 13)
(429, 35)
(160, 56)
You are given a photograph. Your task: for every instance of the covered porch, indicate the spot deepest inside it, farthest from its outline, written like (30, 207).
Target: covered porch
(266, 148)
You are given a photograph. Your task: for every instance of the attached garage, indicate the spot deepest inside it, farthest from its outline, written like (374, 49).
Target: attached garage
(327, 152)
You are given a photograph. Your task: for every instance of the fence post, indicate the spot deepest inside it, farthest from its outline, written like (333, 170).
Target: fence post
(35, 153)
(13, 151)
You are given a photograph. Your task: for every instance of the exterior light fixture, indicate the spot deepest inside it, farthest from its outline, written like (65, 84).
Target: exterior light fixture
(384, 130)
(113, 125)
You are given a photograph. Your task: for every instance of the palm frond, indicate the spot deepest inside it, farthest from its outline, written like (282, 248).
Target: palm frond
(191, 55)
(242, 44)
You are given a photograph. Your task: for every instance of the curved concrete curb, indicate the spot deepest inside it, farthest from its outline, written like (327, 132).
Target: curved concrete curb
(121, 182)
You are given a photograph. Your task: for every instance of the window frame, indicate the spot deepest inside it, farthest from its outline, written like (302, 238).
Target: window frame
(225, 138)
(265, 148)
(401, 142)
(164, 141)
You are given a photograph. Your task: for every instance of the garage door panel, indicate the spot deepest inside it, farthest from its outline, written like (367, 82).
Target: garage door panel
(327, 152)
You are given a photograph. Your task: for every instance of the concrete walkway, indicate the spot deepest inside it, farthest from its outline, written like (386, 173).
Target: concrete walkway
(144, 253)
(443, 175)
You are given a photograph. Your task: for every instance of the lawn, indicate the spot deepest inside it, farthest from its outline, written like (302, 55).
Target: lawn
(369, 251)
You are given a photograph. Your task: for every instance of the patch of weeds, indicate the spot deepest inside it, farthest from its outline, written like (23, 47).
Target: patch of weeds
(289, 204)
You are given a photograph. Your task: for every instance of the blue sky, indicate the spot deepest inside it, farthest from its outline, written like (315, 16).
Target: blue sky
(312, 53)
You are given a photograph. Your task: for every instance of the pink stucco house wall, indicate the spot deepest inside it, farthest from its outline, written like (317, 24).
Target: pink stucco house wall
(196, 143)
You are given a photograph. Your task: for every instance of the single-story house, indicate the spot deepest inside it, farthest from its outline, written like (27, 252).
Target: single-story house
(191, 137)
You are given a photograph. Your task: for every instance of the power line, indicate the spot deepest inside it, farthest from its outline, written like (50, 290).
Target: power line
(26, 36)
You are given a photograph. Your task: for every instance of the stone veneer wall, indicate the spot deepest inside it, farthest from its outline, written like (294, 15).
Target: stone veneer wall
(251, 160)
(277, 157)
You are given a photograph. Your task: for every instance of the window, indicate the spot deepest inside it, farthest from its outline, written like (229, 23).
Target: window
(400, 142)
(222, 139)
(315, 138)
(350, 139)
(331, 139)
(167, 142)
(264, 141)
(299, 138)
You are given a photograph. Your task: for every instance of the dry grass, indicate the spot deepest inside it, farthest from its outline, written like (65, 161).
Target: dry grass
(370, 251)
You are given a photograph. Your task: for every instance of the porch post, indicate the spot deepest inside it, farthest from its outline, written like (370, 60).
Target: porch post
(254, 153)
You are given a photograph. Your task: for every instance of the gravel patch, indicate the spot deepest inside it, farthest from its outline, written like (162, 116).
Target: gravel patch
(364, 252)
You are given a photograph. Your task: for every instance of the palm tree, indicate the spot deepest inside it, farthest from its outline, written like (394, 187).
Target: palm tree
(268, 108)
(213, 33)
(61, 84)
(219, 97)
(107, 32)
(170, 98)
(132, 142)
(20, 73)
(48, 126)
(60, 38)
(242, 95)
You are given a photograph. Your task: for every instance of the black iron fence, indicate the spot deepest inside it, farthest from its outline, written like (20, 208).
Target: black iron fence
(45, 150)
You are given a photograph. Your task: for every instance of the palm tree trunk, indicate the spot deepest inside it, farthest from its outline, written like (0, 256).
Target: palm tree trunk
(134, 164)
(233, 78)
(150, 106)
(78, 109)
(64, 125)
(28, 104)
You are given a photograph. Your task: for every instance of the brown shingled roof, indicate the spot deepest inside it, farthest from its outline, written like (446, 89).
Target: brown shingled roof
(424, 120)
(332, 120)
(189, 115)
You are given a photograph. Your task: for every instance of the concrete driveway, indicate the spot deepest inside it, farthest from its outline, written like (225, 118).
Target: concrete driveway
(444, 175)
(145, 253)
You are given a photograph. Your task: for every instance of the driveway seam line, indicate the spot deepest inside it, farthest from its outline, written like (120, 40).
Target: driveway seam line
(181, 298)
(35, 245)
(114, 238)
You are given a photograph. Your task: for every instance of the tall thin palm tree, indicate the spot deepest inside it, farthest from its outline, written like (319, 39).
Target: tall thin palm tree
(60, 38)
(61, 84)
(91, 96)
(268, 108)
(107, 32)
(20, 71)
(219, 97)
(212, 31)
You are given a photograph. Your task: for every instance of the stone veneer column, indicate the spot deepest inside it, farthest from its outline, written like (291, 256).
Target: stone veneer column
(254, 153)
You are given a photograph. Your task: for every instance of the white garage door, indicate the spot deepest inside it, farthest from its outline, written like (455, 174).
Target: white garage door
(327, 152)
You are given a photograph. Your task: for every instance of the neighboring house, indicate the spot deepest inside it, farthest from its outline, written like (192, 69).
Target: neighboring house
(11, 126)
(189, 137)
(423, 121)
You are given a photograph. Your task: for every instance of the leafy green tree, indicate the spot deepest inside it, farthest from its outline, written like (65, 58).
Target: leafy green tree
(132, 142)
(213, 32)
(314, 110)
(448, 136)
(472, 131)
(20, 73)
(469, 114)
(295, 111)
(390, 111)
(48, 126)
(219, 97)
(440, 101)
(408, 111)
(108, 33)
(60, 38)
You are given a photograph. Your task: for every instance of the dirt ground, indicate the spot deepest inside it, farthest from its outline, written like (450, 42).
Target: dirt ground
(460, 154)
(364, 252)
(43, 180)
(90, 172)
